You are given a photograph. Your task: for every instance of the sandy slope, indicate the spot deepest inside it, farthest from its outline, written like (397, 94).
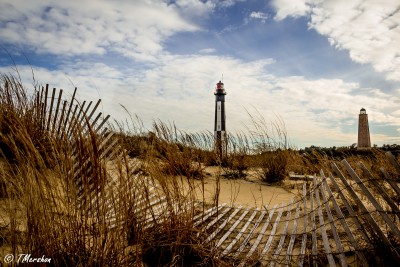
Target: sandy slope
(246, 192)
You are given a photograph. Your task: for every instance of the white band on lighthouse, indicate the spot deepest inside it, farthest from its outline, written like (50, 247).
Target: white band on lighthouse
(223, 135)
(219, 116)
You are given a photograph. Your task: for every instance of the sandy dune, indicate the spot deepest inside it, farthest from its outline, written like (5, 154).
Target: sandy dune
(248, 192)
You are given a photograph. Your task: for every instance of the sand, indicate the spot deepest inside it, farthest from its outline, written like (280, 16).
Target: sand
(248, 192)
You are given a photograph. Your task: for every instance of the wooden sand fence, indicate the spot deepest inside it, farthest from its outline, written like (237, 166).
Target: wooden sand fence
(340, 220)
(69, 121)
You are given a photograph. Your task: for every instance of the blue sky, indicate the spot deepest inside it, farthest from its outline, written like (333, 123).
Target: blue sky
(313, 63)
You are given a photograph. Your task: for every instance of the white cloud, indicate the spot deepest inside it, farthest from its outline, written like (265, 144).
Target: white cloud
(84, 27)
(293, 8)
(195, 8)
(368, 29)
(259, 15)
(227, 3)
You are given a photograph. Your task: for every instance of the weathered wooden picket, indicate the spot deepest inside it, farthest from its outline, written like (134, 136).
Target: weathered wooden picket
(69, 121)
(340, 220)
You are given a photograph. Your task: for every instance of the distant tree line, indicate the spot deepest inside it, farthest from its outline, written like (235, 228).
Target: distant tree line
(345, 151)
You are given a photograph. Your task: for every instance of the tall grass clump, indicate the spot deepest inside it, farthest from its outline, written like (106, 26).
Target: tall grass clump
(71, 193)
(52, 183)
(237, 161)
(178, 151)
(134, 137)
(272, 166)
(270, 145)
(21, 119)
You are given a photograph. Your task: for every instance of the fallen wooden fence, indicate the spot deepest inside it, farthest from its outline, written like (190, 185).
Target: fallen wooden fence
(337, 221)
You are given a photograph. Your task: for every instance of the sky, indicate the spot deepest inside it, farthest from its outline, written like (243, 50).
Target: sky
(312, 64)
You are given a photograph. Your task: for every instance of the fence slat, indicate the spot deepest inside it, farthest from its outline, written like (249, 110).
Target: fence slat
(51, 109)
(70, 122)
(61, 118)
(261, 234)
(203, 214)
(250, 234)
(283, 234)
(69, 111)
(325, 240)
(208, 214)
(304, 238)
(57, 109)
(241, 232)
(216, 219)
(44, 112)
(342, 221)
(314, 232)
(233, 227)
(41, 107)
(102, 123)
(93, 110)
(83, 117)
(292, 236)
(273, 231)
(75, 119)
(210, 237)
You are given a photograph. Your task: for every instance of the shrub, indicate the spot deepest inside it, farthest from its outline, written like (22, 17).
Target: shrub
(178, 151)
(272, 166)
(236, 162)
(235, 166)
(209, 158)
(179, 160)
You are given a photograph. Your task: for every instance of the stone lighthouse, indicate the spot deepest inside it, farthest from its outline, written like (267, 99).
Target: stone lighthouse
(364, 141)
(219, 122)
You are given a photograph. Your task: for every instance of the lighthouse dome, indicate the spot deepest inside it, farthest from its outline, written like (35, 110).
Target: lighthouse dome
(220, 90)
(363, 111)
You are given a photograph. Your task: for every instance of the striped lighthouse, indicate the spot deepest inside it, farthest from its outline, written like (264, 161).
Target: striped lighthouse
(219, 123)
(364, 140)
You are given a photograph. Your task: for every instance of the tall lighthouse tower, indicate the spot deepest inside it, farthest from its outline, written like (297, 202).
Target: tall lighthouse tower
(364, 141)
(219, 124)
